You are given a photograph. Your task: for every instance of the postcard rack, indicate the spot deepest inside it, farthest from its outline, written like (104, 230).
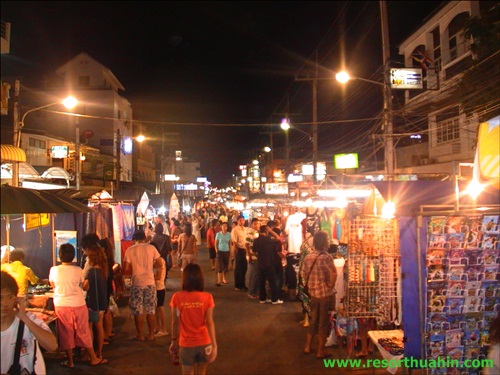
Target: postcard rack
(463, 286)
(373, 262)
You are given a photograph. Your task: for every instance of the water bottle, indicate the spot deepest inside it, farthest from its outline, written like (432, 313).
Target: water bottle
(175, 359)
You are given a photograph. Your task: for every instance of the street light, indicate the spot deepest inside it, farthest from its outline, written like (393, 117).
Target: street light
(344, 77)
(285, 125)
(69, 102)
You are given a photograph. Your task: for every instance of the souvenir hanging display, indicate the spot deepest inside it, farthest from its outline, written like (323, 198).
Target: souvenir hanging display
(463, 286)
(373, 261)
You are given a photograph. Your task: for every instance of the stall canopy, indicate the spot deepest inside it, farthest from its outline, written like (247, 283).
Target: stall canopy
(12, 153)
(24, 201)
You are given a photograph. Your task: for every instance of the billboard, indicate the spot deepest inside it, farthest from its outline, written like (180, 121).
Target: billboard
(59, 152)
(407, 78)
(345, 161)
(276, 188)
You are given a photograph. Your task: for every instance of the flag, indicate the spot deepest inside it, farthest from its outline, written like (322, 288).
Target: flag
(425, 62)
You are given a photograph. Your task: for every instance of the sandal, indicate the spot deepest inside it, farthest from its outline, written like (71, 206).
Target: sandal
(66, 364)
(102, 361)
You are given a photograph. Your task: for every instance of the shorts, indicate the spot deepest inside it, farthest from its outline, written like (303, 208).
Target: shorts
(142, 299)
(194, 354)
(160, 298)
(222, 261)
(211, 252)
(320, 318)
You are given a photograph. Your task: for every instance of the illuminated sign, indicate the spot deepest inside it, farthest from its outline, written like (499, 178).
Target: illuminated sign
(295, 178)
(345, 161)
(34, 221)
(127, 145)
(407, 78)
(276, 188)
(59, 152)
(170, 177)
(308, 169)
(178, 155)
(186, 187)
(201, 179)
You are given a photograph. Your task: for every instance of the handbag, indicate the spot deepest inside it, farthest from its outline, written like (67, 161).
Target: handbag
(94, 315)
(305, 288)
(15, 368)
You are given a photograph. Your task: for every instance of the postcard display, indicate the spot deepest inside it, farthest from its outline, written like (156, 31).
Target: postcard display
(373, 261)
(463, 288)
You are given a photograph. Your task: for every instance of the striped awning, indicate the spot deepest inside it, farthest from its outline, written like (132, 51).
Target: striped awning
(12, 153)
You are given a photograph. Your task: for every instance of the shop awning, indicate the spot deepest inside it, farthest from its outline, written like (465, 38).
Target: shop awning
(12, 153)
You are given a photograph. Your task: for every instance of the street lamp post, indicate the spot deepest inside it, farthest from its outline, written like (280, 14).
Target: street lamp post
(69, 102)
(344, 77)
(285, 125)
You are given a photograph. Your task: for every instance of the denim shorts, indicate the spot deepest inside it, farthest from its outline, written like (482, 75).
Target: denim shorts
(194, 354)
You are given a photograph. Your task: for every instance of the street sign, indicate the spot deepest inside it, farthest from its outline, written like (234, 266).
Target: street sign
(408, 78)
(107, 142)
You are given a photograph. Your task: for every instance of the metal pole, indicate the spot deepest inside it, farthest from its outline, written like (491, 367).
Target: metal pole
(287, 149)
(77, 154)
(388, 128)
(17, 138)
(315, 127)
(118, 165)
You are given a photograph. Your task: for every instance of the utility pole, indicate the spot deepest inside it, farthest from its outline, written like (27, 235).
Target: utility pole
(118, 155)
(314, 82)
(388, 126)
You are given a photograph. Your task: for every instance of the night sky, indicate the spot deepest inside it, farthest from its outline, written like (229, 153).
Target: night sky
(223, 71)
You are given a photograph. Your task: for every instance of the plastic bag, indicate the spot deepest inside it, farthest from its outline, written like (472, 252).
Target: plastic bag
(113, 307)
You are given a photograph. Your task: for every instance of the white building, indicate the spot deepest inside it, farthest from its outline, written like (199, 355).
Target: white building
(104, 122)
(452, 133)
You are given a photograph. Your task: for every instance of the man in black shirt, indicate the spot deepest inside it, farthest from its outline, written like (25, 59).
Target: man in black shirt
(265, 248)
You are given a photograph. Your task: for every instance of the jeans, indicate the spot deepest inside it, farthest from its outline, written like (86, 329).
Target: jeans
(240, 269)
(253, 278)
(267, 274)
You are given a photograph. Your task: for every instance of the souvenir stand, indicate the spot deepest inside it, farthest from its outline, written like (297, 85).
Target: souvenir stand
(462, 286)
(449, 259)
(374, 284)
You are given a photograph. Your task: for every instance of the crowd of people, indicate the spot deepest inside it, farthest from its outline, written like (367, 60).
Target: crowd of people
(266, 267)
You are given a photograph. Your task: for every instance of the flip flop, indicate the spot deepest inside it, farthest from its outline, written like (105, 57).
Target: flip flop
(136, 339)
(361, 355)
(306, 351)
(101, 362)
(66, 364)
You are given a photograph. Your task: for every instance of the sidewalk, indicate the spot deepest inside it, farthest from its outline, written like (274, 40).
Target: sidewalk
(253, 339)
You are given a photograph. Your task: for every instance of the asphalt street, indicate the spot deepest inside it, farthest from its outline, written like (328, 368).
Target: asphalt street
(253, 338)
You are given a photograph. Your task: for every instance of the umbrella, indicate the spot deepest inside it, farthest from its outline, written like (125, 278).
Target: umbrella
(26, 201)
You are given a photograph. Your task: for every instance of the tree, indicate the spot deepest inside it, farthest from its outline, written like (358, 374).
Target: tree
(478, 90)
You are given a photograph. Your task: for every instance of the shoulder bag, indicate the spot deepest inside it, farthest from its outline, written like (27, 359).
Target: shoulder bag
(94, 315)
(305, 289)
(15, 368)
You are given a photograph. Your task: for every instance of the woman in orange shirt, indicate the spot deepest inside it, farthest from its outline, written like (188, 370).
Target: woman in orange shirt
(193, 327)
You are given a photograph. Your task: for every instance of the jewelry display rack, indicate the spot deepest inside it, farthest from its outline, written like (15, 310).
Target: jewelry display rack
(373, 262)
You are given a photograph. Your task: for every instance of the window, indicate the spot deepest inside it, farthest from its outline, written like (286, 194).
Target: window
(448, 130)
(84, 81)
(457, 42)
(38, 143)
(436, 40)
